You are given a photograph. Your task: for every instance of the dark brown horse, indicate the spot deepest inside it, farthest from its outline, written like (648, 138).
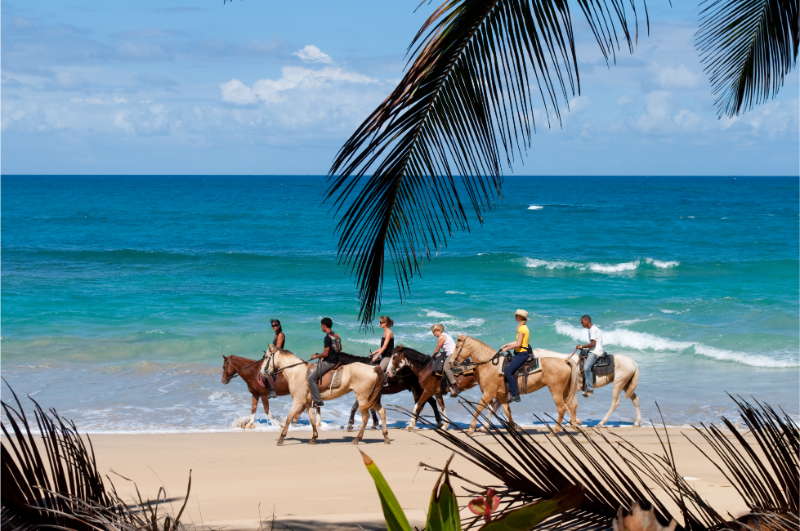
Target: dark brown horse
(248, 369)
(420, 365)
(403, 380)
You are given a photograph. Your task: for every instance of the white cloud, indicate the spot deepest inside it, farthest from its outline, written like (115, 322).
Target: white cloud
(234, 91)
(675, 78)
(658, 111)
(312, 54)
(579, 103)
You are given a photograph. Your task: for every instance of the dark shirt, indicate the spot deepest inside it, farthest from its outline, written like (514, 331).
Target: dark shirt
(333, 354)
(275, 341)
(388, 352)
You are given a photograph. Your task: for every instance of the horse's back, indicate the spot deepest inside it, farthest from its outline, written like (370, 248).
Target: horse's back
(544, 353)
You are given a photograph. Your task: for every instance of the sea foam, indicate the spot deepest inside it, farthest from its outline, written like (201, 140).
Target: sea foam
(621, 337)
(596, 267)
(535, 207)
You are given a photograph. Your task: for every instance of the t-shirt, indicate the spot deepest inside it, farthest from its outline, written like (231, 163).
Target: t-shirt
(449, 345)
(526, 334)
(597, 335)
(334, 344)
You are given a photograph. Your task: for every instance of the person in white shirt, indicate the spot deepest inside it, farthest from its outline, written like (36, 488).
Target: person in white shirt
(595, 346)
(445, 343)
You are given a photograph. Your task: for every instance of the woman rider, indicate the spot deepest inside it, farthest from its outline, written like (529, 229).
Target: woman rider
(387, 346)
(520, 346)
(446, 343)
(279, 341)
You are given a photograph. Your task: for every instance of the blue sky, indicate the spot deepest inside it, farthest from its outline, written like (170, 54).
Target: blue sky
(267, 87)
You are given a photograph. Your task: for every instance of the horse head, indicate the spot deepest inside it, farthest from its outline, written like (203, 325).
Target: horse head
(227, 371)
(460, 353)
(398, 361)
(268, 366)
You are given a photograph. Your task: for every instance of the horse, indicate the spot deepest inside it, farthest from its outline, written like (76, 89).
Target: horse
(625, 378)
(420, 365)
(559, 375)
(233, 366)
(405, 380)
(365, 380)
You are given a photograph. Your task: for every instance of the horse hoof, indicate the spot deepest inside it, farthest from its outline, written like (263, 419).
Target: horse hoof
(482, 429)
(470, 432)
(280, 442)
(440, 425)
(387, 441)
(410, 428)
(636, 425)
(349, 427)
(355, 441)
(312, 441)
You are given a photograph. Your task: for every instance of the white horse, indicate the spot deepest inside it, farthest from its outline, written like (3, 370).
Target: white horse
(625, 378)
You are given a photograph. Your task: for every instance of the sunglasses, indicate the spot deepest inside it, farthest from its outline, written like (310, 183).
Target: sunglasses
(275, 326)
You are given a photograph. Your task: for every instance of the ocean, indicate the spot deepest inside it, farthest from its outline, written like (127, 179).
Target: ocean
(120, 294)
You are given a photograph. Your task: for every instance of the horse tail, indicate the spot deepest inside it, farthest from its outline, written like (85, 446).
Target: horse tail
(375, 394)
(630, 388)
(574, 386)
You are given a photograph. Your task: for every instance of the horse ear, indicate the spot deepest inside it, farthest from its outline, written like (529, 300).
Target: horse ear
(273, 349)
(400, 348)
(225, 357)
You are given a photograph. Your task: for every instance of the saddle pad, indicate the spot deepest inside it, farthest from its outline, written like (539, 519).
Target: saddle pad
(602, 367)
(330, 380)
(437, 365)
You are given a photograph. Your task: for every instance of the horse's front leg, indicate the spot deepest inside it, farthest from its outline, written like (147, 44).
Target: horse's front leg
(265, 403)
(253, 408)
(299, 414)
(492, 411)
(417, 408)
(296, 405)
(484, 402)
(312, 418)
(364, 419)
(507, 409)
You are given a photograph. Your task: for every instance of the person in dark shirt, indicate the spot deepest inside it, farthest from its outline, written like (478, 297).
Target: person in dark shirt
(384, 353)
(280, 342)
(327, 359)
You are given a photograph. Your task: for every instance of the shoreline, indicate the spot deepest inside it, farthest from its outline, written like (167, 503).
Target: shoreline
(326, 486)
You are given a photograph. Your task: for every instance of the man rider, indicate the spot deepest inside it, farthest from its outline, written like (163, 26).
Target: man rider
(595, 346)
(327, 359)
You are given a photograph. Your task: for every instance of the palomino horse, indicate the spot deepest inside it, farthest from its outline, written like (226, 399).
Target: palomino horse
(560, 376)
(365, 380)
(248, 370)
(420, 364)
(625, 378)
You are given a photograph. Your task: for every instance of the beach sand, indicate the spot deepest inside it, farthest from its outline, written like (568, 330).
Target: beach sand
(241, 480)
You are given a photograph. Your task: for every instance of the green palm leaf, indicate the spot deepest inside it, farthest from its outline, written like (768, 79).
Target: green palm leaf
(748, 47)
(464, 109)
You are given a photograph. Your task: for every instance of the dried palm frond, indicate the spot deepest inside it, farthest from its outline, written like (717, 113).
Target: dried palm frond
(461, 112)
(54, 482)
(748, 47)
(614, 474)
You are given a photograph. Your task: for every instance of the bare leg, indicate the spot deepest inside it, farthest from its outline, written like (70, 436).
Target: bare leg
(253, 413)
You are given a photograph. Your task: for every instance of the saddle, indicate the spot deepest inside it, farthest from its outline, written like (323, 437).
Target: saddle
(602, 367)
(530, 366)
(437, 364)
(331, 379)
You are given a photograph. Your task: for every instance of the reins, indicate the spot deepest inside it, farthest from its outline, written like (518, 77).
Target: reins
(236, 372)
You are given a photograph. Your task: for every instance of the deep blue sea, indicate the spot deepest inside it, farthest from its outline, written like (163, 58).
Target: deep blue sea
(121, 294)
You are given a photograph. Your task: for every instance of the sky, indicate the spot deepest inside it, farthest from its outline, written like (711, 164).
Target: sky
(266, 87)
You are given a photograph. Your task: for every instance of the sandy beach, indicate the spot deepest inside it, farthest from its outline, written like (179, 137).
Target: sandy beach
(240, 480)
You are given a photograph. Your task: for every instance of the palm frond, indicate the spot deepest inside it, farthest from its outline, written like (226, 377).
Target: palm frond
(616, 473)
(55, 483)
(748, 47)
(464, 109)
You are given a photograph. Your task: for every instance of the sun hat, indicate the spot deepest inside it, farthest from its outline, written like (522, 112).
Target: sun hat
(521, 313)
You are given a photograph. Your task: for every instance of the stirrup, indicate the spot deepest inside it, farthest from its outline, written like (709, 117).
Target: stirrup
(272, 394)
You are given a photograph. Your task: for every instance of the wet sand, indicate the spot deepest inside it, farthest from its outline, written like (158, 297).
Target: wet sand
(242, 480)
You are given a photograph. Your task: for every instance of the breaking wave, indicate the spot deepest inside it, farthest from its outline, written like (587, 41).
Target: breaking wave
(600, 267)
(621, 337)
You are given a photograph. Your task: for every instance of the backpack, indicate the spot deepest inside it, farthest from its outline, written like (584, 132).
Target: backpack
(336, 342)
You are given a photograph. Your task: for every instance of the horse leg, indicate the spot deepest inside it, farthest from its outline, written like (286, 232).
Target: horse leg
(558, 398)
(614, 404)
(484, 402)
(439, 422)
(492, 410)
(296, 418)
(507, 410)
(265, 403)
(292, 412)
(352, 416)
(319, 417)
(375, 421)
(364, 419)
(253, 408)
(385, 431)
(417, 408)
(635, 399)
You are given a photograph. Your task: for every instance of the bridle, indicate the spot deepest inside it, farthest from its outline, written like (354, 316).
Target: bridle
(276, 371)
(236, 372)
(457, 353)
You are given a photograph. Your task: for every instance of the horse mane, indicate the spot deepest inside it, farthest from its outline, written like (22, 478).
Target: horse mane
(414, 355)
(347, 359)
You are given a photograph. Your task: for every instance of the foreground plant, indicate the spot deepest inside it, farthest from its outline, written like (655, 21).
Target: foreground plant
(443, 512)
(55, 483)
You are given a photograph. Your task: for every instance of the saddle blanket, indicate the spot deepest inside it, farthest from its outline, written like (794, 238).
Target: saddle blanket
(437, 364)
(530, 366)
(603, 367)
(331, 379)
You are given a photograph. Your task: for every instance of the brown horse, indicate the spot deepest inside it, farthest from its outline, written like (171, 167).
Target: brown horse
(560, 376)
(420, 364)
(364, 380)
(248, 370)
(402, 380)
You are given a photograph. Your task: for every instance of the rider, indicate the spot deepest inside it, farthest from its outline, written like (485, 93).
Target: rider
(595, 346)
(446, 343)
(387, 346)
(521, 351)
(327, 359)
(279, 341)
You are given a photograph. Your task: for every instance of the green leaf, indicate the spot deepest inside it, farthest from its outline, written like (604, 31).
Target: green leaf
(443, 510)
(395, 518)
(528, 516)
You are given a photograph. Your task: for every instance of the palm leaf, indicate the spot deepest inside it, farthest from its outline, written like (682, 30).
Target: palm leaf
(463, 110)
(748, 47)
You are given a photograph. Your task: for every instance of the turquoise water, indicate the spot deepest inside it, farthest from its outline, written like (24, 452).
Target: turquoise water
(120, 294)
